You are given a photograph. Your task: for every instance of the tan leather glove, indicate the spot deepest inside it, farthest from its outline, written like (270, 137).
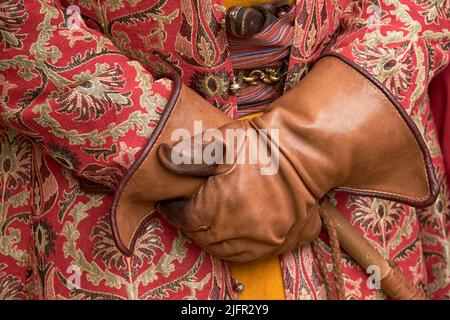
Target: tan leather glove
(337, 131)
(147, 181)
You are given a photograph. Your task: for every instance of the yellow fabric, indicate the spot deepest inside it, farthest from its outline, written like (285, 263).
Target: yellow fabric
(251, 116)
(262, 280)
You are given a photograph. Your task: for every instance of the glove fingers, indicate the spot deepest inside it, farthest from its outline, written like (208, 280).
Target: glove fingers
(179, 214)
(196, 217)
(240, 250)
(224, 238)
(206, 154)
(188, 167)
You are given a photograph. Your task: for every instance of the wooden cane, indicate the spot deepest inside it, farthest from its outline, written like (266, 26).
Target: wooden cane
(393, 281)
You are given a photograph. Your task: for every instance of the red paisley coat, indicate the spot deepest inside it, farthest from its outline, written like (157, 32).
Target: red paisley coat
(78, 104)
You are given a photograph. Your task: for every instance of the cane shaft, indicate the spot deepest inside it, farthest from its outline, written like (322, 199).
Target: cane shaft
(393, 281)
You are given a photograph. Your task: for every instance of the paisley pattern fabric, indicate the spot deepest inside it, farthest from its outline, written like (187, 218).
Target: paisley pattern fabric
(78, 104)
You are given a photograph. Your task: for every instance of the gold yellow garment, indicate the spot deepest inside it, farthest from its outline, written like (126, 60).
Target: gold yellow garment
(262, 280)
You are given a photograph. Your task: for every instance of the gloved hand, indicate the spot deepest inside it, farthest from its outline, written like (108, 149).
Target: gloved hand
(337, 131)
(147, 181)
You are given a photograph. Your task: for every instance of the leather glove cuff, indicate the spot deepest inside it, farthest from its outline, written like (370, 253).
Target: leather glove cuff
(147, 182)
(342, 131)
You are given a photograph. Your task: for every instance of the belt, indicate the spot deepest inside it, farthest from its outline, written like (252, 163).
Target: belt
(260, 62)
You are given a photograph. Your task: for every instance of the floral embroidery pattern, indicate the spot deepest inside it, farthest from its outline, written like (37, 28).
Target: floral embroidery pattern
(45, 237)
(435, 11)
(436, 216)
(392, 66)
(88, 100)
(12, 18)
(73, 104)
(375, 215)
(11, 288)
(211, 84)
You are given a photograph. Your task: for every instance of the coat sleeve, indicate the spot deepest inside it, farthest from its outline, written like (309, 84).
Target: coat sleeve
(74, 94)
(400, 45)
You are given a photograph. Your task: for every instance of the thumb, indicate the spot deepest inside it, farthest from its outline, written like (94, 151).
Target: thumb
(194, 158)
(179, 213)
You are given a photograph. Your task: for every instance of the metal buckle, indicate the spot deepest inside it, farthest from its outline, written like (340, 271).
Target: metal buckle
(269, 76)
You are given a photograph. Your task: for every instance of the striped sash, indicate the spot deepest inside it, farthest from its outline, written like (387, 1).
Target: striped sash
(269, 48)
